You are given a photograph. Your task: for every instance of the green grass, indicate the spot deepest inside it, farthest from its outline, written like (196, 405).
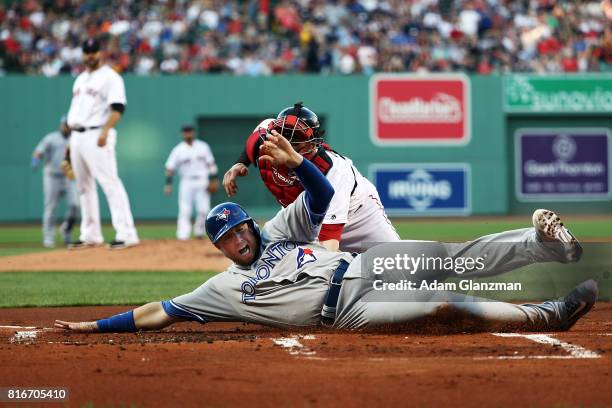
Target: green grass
(22, 289)
(19, 240)
(32, 234)
(22, 250)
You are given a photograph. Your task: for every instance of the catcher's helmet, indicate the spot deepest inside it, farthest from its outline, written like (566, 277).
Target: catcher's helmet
(298, 124)
(226, 216)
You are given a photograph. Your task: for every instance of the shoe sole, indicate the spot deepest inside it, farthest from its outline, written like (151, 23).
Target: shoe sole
(550, 228)
(586, 293)
(85, 246)
(117, 247)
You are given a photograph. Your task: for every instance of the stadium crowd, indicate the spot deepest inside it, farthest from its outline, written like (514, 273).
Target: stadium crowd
(264, 37)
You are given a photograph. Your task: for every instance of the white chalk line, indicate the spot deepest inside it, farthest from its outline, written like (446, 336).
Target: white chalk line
(294, 347)
(27, 328)
(19, 327)
(575, 351)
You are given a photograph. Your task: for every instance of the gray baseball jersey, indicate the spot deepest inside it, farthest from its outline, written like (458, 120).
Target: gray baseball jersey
(284, 287)
(55, 184)
(53, 148)
(287, 286)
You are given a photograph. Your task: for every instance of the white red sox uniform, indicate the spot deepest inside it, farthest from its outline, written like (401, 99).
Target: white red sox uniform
(356, 204)
(195, 163)
(288, 283)
(355, 207)
(92, 94)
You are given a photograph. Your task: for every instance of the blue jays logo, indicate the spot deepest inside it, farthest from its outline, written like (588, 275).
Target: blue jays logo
(224, 215)
(305, 255)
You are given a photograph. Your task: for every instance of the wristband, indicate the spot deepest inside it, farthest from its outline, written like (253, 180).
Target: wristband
(168, 180)
(121, 323)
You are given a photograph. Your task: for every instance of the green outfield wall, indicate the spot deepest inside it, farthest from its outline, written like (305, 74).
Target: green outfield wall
(226, 109)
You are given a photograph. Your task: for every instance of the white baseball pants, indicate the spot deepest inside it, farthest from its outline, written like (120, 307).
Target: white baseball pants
(192, 191)
(92, 163)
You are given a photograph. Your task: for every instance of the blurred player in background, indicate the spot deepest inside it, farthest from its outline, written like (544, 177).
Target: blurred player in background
(98, 102)
(195, 163)
(51, 149)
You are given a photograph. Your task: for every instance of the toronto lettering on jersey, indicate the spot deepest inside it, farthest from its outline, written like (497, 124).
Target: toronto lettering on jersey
(268, 260)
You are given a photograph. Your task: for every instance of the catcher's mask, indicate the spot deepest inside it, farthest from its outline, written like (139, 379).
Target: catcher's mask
(300, 126)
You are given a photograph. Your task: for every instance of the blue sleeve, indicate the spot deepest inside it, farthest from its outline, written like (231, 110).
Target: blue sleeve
(175, 310)
(319, 191)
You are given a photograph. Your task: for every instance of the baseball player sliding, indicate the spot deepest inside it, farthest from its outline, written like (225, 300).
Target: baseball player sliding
(98, 102)
(355, 219)
(282, 276)
(52, 149)
(195, 163)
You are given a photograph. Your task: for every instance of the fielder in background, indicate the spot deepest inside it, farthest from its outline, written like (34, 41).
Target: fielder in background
(98, 102)
(356, 218)
(51, 149)
(195, 163)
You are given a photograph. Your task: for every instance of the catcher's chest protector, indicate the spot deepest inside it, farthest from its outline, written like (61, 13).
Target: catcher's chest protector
(283, 183)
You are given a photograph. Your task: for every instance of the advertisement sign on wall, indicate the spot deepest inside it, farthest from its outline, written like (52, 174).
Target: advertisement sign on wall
(572, 164)
(420, 109)
(423, 189)
(531, 93)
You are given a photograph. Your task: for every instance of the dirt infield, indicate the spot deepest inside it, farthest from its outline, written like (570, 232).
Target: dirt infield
(151, 255)
(240, 365)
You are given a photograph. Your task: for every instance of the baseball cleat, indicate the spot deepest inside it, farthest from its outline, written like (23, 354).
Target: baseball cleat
(81, 245)
(115, 244)
(549, 228)
(578, 302)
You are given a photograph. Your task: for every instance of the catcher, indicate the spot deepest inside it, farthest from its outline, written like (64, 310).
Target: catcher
(356, 217)
(282, 277)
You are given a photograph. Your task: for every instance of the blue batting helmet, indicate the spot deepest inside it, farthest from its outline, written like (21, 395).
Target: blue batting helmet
(224, 217)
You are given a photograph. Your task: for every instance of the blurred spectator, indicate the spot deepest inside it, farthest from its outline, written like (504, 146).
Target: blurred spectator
(264, 37)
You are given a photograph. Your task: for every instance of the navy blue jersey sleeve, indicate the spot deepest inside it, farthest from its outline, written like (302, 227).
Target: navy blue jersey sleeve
(319, 191)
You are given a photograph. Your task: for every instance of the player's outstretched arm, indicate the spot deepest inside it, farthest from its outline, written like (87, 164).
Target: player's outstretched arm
(147, 317)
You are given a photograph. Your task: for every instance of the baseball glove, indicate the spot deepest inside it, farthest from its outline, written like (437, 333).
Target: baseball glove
(67, 169)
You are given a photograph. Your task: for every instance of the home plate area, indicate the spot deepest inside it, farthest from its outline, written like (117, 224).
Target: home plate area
(224, 363)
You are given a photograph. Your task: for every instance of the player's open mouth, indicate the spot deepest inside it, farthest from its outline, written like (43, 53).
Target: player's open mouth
(245, 250)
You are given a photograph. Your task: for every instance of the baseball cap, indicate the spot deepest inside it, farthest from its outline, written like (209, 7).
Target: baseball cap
(187, 128)
(91, 45)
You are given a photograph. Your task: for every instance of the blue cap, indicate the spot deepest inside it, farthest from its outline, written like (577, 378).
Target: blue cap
(224, 217)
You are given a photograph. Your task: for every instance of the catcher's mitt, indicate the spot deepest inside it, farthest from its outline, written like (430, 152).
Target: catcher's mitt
(67, 169)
